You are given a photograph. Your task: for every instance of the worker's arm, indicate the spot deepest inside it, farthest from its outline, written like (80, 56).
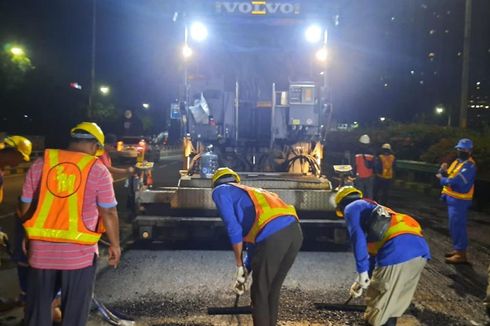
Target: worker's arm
(357, 234)
(114, 170)
(111, 223)
(224, 204)
(463, 180)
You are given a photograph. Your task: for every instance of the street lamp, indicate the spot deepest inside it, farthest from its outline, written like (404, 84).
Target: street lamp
(104, 90)
(17, 51)
(382, 119)
(440, 109)
(186, 51)
(322, 54)
(146, 106)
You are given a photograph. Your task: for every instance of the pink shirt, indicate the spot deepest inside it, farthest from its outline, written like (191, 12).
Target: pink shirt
(69, 256)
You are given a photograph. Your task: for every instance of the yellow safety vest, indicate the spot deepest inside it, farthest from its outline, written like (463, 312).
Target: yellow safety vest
(58, 215)
(386, 166)
(452, 172)
(268, 206)
(400, 224)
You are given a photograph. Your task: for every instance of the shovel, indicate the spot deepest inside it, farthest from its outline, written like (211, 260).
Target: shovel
(340, 307)
(235, 310)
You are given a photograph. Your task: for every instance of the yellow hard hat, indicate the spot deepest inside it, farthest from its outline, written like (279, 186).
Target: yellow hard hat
(343, 193)
(221, 172)
(21, 144)
(94, 130)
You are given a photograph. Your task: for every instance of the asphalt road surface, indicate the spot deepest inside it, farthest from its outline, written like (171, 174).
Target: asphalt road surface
(159, 286)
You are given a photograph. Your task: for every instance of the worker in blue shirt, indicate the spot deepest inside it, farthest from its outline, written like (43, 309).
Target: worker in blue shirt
(390, 254)
(457, 183)
(270, 230)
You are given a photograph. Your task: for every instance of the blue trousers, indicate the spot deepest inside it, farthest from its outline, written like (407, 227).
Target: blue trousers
(457, 226)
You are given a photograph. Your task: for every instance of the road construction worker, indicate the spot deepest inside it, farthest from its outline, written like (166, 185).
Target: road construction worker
(105, 158)
(272, 235)
(63, 196)
(364, 165)
(14, 150)
(390, 254)
(384, 167)
(457, 183)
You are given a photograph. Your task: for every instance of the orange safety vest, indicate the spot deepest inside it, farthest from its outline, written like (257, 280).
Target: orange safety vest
(452, 172)
(58, 215)
(400, 224)
(268, 206)
(386, 166)
(362, 171)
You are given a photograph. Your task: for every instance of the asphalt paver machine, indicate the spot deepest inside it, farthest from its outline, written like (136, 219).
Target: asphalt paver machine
(258, 94)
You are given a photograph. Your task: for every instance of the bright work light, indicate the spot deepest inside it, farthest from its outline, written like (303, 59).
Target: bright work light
(199, 32)
(186, 51)
(313, 34)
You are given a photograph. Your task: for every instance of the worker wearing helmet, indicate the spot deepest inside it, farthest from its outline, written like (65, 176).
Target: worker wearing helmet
(14, 150)
(272, 235)
(384, 167)
(390, 254)
(457, 183)
(364, 166)
(63, 196)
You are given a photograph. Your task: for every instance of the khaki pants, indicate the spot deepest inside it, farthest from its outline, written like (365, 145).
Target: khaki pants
(391, 290)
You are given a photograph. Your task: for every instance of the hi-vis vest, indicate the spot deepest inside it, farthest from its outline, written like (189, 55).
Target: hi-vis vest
(453, 171)
(362, 171)
(268, 206)
(58, 216)
(400, 224)
(386, 166)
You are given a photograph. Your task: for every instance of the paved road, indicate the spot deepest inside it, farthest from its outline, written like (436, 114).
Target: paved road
(174, 287)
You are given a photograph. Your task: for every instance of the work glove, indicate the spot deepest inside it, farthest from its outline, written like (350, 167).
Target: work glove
(240, 280)
(3, 239)
(361, 283)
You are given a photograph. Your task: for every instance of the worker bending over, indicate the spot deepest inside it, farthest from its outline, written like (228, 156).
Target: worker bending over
(457, 183)
(389, 244)
(271, 232)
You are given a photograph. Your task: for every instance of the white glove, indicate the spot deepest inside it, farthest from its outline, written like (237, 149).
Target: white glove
(361, 283)
(3, 238)
(240, 280)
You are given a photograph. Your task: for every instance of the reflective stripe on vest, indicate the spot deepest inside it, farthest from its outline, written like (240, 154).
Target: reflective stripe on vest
(400, 224)
(362, 171)
(453, 171)
(268, 206)
(58, 215)
(386, 166)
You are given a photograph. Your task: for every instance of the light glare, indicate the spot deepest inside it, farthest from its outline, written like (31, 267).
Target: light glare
(313, 34)
(322, 54)
(199, 32)
(186, 51)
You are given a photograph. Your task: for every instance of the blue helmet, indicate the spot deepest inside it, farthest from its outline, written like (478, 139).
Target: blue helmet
(464, 144)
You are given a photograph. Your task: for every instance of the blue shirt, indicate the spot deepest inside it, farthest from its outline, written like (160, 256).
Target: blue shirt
(238, 214)
(397, 250)
(461, 182)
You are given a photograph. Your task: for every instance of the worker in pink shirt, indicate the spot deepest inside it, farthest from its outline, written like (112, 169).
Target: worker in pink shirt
(63, 196)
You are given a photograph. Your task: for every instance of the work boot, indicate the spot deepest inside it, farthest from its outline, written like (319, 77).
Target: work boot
(458, 258)
(450, 254)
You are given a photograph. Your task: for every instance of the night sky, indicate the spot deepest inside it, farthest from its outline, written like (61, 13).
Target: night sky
(388, 58)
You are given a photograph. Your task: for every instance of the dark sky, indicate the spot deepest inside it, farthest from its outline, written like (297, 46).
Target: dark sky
(380, 60)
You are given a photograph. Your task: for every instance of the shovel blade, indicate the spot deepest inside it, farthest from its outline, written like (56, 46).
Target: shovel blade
(340, 307)
(243, 310)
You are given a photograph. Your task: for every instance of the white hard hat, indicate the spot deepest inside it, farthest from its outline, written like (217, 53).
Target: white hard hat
(386, 146)
(364, 139)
